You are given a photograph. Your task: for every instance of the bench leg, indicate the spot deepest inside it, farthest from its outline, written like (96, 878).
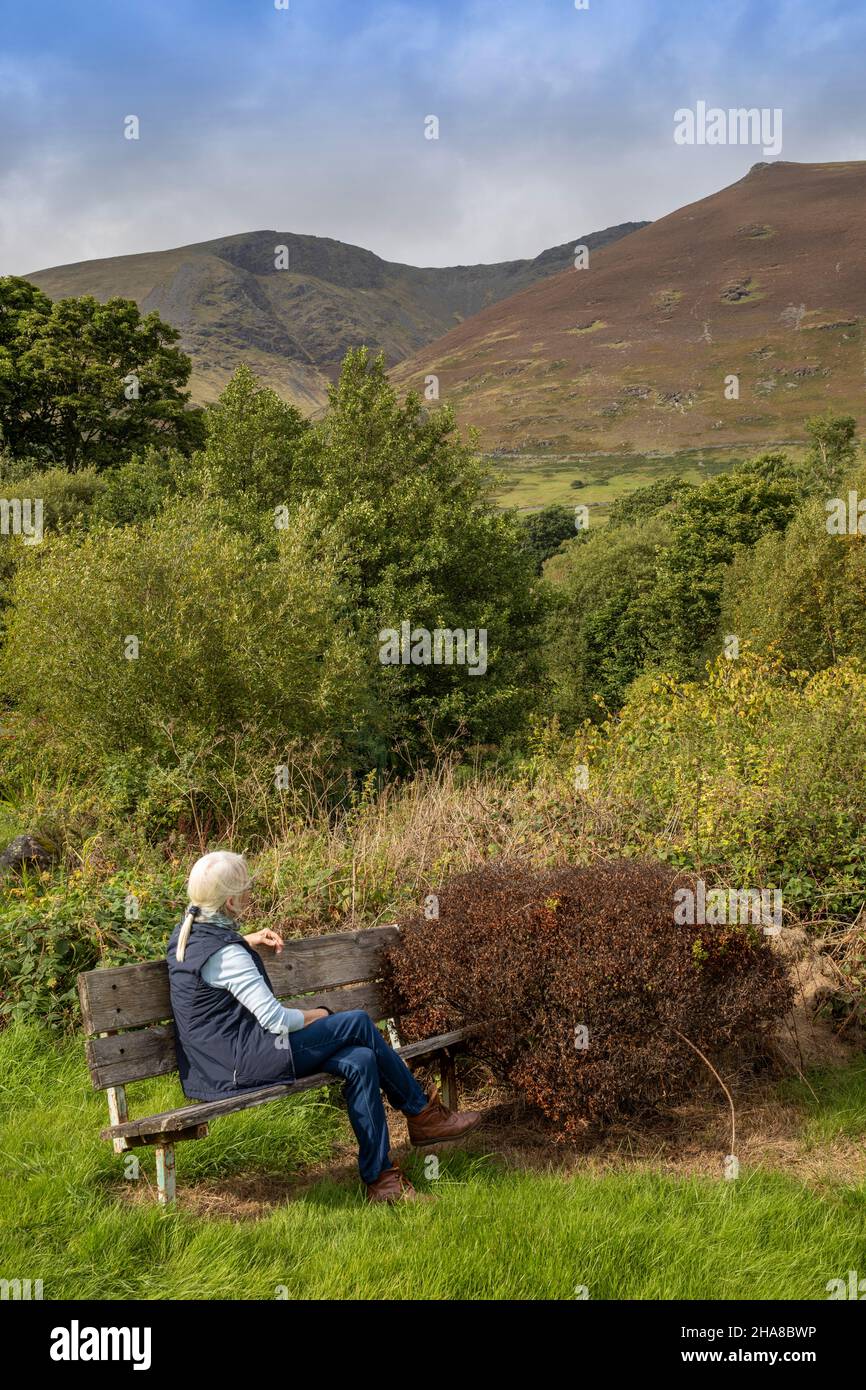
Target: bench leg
(165, 1176)
(118, 1113)
(448, 1079)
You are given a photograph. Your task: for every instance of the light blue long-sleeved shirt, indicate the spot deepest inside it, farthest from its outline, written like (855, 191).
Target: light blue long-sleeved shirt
(231, 968)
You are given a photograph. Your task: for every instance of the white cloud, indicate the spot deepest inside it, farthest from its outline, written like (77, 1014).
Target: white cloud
(554, 123)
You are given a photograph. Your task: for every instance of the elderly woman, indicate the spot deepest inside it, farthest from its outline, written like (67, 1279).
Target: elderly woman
(232, 1034)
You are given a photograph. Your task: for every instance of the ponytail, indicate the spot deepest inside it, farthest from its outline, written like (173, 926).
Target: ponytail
(186, 928)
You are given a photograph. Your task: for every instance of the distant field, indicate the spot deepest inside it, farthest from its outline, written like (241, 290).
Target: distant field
(534, 481)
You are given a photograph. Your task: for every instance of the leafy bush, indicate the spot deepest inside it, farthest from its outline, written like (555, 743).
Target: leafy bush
(544, 532)
(600, 632)
(645, 593)
(648, 501)
(55, 924)
(534, 957)
(801, 592)
(227, 645)
(251, 444)
(709, 525)
(67, 497)
(755, 774)
(68, 501)
(138, 489)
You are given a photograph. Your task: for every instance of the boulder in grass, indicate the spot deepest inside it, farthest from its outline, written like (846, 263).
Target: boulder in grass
(25, 852)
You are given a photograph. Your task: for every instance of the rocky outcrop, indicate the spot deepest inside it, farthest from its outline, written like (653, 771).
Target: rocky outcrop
(25, 851)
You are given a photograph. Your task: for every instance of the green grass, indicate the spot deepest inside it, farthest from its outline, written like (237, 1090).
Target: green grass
(840, 1112)
(530, 483)
(9, 824)
(493, 1233)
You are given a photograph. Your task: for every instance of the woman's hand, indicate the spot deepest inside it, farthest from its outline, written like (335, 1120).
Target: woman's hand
(313, 1015)
(266, 937)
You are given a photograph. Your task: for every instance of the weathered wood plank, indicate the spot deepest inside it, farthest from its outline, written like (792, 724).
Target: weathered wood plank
(84, 1002)
(448, 1080)
(124, 996)
(425, 1045)
(207, 1110)
(146, 1052)
(172, 1136)
(202, 1112)
(132, 1056)
(130, 996)
(324, 962)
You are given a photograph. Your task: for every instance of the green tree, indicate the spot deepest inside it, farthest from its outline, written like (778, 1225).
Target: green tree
(140, 488)
(66, 501)
(148, 648)
(598, 636)
(775, 466)
(409, 509)
(546, 530)
(644, 502)
(707, 528)
(87, 384)
(247, 461)
(251, 446)
(833, 449)
(801, 591)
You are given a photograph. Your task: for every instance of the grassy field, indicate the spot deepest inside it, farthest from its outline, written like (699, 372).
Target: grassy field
(70, 1218)
(537, 481)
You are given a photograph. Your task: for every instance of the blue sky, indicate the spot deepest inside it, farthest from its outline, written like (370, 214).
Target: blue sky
(553, 121)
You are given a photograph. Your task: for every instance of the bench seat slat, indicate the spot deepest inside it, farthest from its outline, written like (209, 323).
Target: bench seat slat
(202, 1112)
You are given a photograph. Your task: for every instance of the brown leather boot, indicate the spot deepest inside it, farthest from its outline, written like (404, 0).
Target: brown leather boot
(392, 1185)
(436, 1124)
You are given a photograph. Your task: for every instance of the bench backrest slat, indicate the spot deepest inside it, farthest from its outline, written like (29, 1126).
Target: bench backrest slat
(145, 1052)
(129, 996)
(134, 996)
(124, 996)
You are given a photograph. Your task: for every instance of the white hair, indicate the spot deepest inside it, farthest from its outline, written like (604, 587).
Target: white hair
(213, 878)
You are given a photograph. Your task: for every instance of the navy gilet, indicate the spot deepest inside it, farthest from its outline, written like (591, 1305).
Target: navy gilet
(222, 1049)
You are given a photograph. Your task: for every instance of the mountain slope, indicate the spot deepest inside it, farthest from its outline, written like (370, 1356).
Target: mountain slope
(294, 325)
(765, 279)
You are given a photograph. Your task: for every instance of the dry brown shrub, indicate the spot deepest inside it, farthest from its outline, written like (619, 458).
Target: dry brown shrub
(531, 955)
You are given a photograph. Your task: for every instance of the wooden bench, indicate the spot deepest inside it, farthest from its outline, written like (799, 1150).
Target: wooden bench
(127, 1017)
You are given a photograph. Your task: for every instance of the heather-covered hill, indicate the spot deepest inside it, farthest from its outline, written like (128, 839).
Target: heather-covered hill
(294, 325)
(765, 279)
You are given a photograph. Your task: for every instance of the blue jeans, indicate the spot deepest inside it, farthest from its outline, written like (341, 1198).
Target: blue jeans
(350, 1045)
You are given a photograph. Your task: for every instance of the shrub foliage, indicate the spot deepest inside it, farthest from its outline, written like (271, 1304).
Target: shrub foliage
(535, 956)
